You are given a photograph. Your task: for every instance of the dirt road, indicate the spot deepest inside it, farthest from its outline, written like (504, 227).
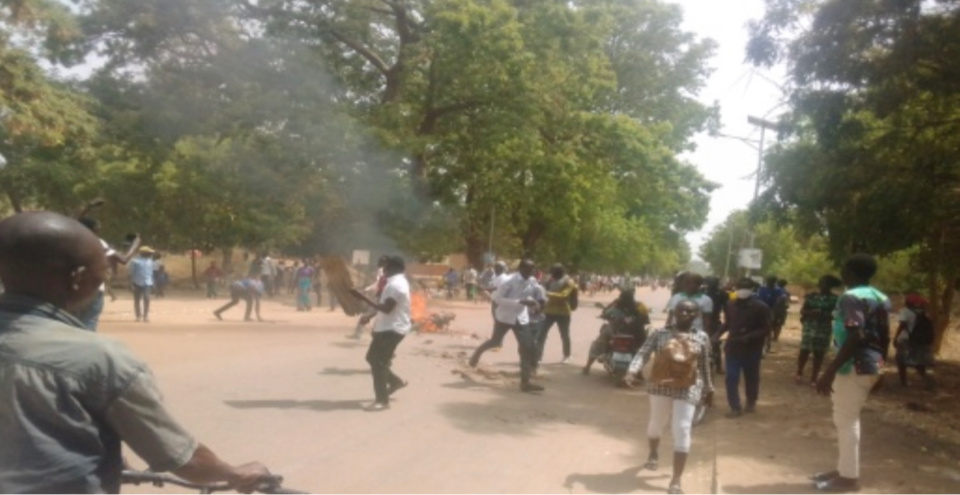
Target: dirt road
(290, 393)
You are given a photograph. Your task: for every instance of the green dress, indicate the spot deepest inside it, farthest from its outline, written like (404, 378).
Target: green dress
(817, 330)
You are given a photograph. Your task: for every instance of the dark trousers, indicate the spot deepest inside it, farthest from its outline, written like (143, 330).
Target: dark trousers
(380, 356)
(526, 346)
(141, 293)
(749, 365)
(563, 324)
(235, 297)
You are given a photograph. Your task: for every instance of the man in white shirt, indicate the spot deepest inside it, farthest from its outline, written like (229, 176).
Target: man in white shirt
(513, 299)
(393, 324)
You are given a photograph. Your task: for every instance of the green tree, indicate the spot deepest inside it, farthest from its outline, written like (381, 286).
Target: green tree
(872, 160)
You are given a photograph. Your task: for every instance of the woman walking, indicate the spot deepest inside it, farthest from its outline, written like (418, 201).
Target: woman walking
(816, 316)
(679, 381)
(305, 275)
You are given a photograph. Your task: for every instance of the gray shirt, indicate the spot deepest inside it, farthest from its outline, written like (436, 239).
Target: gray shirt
(68, 398)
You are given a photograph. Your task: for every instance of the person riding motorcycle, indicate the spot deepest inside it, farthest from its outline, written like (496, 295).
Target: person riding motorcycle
(625, 315)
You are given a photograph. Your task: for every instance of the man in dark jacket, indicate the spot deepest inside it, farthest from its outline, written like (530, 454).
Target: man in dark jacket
(748, 322)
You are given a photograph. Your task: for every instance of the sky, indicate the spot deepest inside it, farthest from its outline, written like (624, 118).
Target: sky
(741, 90)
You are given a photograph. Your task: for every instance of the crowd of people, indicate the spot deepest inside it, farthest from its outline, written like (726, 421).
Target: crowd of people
(54, 270)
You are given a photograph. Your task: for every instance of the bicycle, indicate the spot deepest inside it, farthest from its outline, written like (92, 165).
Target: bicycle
(271, 484)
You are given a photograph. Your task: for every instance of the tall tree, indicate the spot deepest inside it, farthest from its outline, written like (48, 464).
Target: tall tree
(875, 158)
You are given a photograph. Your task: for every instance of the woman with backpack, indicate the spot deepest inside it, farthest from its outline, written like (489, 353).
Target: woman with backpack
(679, 380)
(914, 340)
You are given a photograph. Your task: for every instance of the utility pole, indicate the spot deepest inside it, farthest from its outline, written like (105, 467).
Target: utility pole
(763, 125)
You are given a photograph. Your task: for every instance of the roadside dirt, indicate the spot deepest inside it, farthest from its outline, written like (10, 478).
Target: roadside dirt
(291, 393)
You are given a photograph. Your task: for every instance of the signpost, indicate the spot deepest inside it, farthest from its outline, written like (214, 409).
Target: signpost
(750, 258)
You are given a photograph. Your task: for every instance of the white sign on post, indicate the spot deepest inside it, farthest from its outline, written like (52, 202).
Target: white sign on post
(750, 258)
(361, 257)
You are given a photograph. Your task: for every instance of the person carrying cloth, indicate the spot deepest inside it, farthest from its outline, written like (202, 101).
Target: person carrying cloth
(679, 381)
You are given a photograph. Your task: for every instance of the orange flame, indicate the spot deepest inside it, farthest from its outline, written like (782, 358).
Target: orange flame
(418, 312)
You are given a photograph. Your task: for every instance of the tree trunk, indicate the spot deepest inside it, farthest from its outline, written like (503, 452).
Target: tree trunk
(193, 268)
(227, 263)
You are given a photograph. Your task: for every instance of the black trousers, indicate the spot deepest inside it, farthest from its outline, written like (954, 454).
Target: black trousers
(526, 346)
(563, 324)
(380, 356)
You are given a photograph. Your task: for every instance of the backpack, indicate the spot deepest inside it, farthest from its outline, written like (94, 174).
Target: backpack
(675, 365)
(922, 333)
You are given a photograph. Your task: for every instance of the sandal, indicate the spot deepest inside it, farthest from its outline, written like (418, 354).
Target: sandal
(825, 476)
(651, 465)
(798, 379)
(675, 488)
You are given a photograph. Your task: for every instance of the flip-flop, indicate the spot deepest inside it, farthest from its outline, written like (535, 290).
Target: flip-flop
(824, 476)
(651, 465)
(675, 489)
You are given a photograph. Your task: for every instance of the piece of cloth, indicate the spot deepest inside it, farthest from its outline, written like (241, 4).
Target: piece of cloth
(508, 296)
(865, 308)
(747, 365)
(850, 393)
(817, 330)
(748, 325)
(68, 398)
(141, 271)
(141, 295)
(661, 410)
(398, 320)
(703, 302)
(658, 341)
(380, 358)
(559, 293)
(108, 252)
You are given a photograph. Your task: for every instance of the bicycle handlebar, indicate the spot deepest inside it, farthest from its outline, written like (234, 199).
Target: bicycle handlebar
(271, 484)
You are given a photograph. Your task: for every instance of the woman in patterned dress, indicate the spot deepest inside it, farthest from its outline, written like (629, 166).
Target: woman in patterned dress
(816, 316)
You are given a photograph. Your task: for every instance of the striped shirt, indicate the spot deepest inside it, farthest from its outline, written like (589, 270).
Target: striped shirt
(657, 341)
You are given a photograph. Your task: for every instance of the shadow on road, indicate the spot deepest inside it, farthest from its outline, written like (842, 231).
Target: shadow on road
(313, 405)
(770, 488)
(626, 481)
(350, 345)
(344, 372)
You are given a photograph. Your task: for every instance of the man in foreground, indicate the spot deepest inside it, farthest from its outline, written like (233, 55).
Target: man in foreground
(69, 397)
(860, 329)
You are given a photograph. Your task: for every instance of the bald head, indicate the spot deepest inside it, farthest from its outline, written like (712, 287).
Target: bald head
(51, 257)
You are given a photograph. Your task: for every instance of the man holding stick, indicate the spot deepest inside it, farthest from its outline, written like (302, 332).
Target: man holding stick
(393, 324)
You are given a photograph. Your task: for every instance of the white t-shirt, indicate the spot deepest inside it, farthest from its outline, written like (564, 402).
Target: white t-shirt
(107, 252)
(508, 296)
(702, 300)
(470, 277)
(398, 320)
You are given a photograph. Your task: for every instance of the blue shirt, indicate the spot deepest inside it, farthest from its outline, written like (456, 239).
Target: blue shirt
(770, 296)
(141, 271)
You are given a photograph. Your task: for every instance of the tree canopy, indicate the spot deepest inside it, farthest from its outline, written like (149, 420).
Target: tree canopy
(871, 157)
(418, 126)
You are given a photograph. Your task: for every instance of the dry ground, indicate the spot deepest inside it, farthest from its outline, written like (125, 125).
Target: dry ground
(290, 393)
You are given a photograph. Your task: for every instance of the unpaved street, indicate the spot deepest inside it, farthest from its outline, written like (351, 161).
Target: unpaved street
(290, 393)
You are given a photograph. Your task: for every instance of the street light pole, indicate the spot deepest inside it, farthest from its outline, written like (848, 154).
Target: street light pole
(763, 125)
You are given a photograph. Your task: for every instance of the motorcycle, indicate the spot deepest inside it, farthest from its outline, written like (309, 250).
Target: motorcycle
(621, 346)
